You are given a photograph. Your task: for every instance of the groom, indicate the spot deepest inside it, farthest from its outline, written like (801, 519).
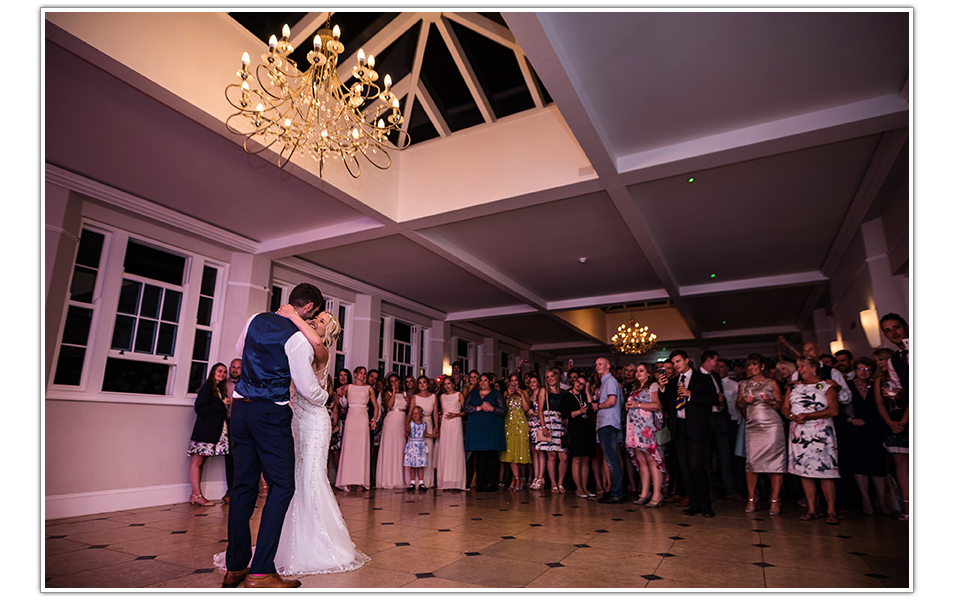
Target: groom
(274, 353)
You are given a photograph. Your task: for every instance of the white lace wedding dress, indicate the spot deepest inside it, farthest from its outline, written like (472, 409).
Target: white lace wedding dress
(314, 536)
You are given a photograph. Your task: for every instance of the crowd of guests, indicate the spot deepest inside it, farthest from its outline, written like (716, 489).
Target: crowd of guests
(665, 432)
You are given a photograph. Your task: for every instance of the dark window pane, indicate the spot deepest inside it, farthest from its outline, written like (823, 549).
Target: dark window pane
(170, 306)
(145, 336)
(129, 297)
(442, 78)
(69, 366)
(203, 341)
(135, 377)
(197, 376)
(276, 301)
(151, 298)
(81, 288)
(402, 331)
(420, 127)
(90, 248)
(166, 342)
(76, 329)
(341, 319)
(154, 264)
(208, 281)
(380, 363)
(204, 316)
(123, 333)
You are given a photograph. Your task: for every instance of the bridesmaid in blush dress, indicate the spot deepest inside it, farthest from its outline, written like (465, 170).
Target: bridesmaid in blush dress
(430, 405)
(389, 473)
(451, 466)
(355, 465)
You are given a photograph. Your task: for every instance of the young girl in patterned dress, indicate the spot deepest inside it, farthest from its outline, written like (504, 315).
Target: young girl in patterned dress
(415, 451)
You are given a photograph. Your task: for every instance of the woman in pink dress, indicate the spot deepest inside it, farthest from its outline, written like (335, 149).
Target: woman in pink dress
(429, 404)
(390, 470)
(451, 466)
(354, 467)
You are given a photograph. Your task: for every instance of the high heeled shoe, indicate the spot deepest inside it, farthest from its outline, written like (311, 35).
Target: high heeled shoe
(643, 500)
(656, 504)
(776, 509)
(750, 509)
(200, 500)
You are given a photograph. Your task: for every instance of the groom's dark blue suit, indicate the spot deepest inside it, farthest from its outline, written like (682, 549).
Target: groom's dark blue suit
(262, 443)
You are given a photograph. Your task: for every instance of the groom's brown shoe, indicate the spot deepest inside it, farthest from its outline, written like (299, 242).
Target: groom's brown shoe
(270, 580)
(234, 578)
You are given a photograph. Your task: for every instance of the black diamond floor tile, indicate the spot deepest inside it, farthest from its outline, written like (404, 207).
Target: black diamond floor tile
(55, 537)
(876, 576)
(555, 565)
(763, 564)
(507, 537)
(143, 524)
(203, 571)
(759, 530)
(423, 513)
(179, 532)
(581, 545)
(388, 523)
(602, 531)
(617, 519)
(223, 541)
(379, 508)
(476, 519)
(535, 525)
(844, 537)
(858, 553)
(557, 514)
(472, 553)
(761, 545)
(665, 554)
(146, 557)
(402, 543)
(423, 575)
(652, 577)
(685, 525)
(443, 530)
(677, 538)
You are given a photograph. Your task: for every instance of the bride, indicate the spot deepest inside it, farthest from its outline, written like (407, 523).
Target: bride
(314, 536)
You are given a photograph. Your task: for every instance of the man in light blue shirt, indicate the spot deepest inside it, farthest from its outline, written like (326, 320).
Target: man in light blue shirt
(608, 427)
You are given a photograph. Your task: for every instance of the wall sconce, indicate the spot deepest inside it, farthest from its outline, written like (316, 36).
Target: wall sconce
(447, 369)
(836, 347)
(869, 321)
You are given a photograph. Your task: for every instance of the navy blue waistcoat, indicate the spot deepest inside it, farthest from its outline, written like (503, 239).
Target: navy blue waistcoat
(265, 372)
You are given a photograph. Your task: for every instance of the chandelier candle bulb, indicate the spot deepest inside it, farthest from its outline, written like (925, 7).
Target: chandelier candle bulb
(272, 43)
(336, 32)
(371, 60)
(285, 33)
(360, 56)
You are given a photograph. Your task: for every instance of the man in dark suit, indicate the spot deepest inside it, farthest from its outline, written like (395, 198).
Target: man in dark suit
(895, 328)
(274, 354)
(689, 406)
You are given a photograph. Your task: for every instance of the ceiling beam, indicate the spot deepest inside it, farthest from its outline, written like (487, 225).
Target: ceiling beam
(466, 70)
(629, 211)
(752, 331)
(485, 27)
(881, 164)
(322, 238)
(490, 313)
(304, 28)
(536, 92)
(565, 345)
(739, 285)
(591, 301)
(415, 78)
(430, 108)
(389, 34)
(574, 107)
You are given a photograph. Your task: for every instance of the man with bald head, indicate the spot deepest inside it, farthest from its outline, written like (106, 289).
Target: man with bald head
(608, 427)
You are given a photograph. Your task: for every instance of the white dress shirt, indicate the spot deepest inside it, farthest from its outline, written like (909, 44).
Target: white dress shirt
(731, 389)
(300, 358)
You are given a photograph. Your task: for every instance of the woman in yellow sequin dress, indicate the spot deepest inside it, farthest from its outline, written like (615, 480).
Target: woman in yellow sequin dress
(516, 429)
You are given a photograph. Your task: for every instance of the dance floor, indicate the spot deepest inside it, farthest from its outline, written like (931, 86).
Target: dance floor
(528, 539)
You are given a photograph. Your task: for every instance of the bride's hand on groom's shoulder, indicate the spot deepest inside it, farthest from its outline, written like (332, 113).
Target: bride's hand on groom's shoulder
(286, 310)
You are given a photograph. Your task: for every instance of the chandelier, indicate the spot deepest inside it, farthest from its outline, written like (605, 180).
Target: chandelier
(313, 112)
(632, 339)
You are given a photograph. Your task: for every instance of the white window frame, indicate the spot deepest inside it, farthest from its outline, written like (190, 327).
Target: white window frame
(471, 353)
(106, 294)
(332, 305)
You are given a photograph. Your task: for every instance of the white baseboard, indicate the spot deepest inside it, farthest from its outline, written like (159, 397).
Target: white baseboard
(91, 503)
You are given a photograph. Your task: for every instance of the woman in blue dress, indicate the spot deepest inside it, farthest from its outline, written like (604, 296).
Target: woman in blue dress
(485, 437)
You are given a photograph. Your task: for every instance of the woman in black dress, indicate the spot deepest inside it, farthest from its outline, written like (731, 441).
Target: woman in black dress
(581, 437)
(863, 446)
(209, 436)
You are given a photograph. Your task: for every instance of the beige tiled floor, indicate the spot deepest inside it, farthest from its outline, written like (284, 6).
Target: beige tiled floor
(505, 540)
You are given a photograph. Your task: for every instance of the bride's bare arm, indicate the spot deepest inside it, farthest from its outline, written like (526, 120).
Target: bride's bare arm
(321, 353)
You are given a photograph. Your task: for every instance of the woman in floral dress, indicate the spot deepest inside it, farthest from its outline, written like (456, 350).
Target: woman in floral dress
(643, 420)
(811, 404)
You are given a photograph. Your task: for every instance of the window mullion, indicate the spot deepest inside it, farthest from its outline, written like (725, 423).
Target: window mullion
(111, 270)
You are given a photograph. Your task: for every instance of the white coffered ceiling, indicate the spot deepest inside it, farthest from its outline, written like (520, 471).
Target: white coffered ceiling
(792, 125)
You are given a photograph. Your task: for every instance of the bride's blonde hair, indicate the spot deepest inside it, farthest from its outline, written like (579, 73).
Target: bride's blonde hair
(332, 330)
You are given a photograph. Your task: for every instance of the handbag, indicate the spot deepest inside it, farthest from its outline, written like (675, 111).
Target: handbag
(543, 432)
(663, 436)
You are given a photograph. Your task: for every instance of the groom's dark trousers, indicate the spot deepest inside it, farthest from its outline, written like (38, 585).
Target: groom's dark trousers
(262, 443)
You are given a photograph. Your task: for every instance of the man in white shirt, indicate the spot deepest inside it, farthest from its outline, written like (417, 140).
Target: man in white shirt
(274, 354)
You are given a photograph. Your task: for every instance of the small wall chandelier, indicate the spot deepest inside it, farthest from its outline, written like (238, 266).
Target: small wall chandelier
(632, 339)
(313, 112)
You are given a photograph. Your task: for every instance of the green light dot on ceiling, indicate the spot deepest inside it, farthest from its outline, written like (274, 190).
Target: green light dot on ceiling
(723, 322)
(691, 179)
(712, 276)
